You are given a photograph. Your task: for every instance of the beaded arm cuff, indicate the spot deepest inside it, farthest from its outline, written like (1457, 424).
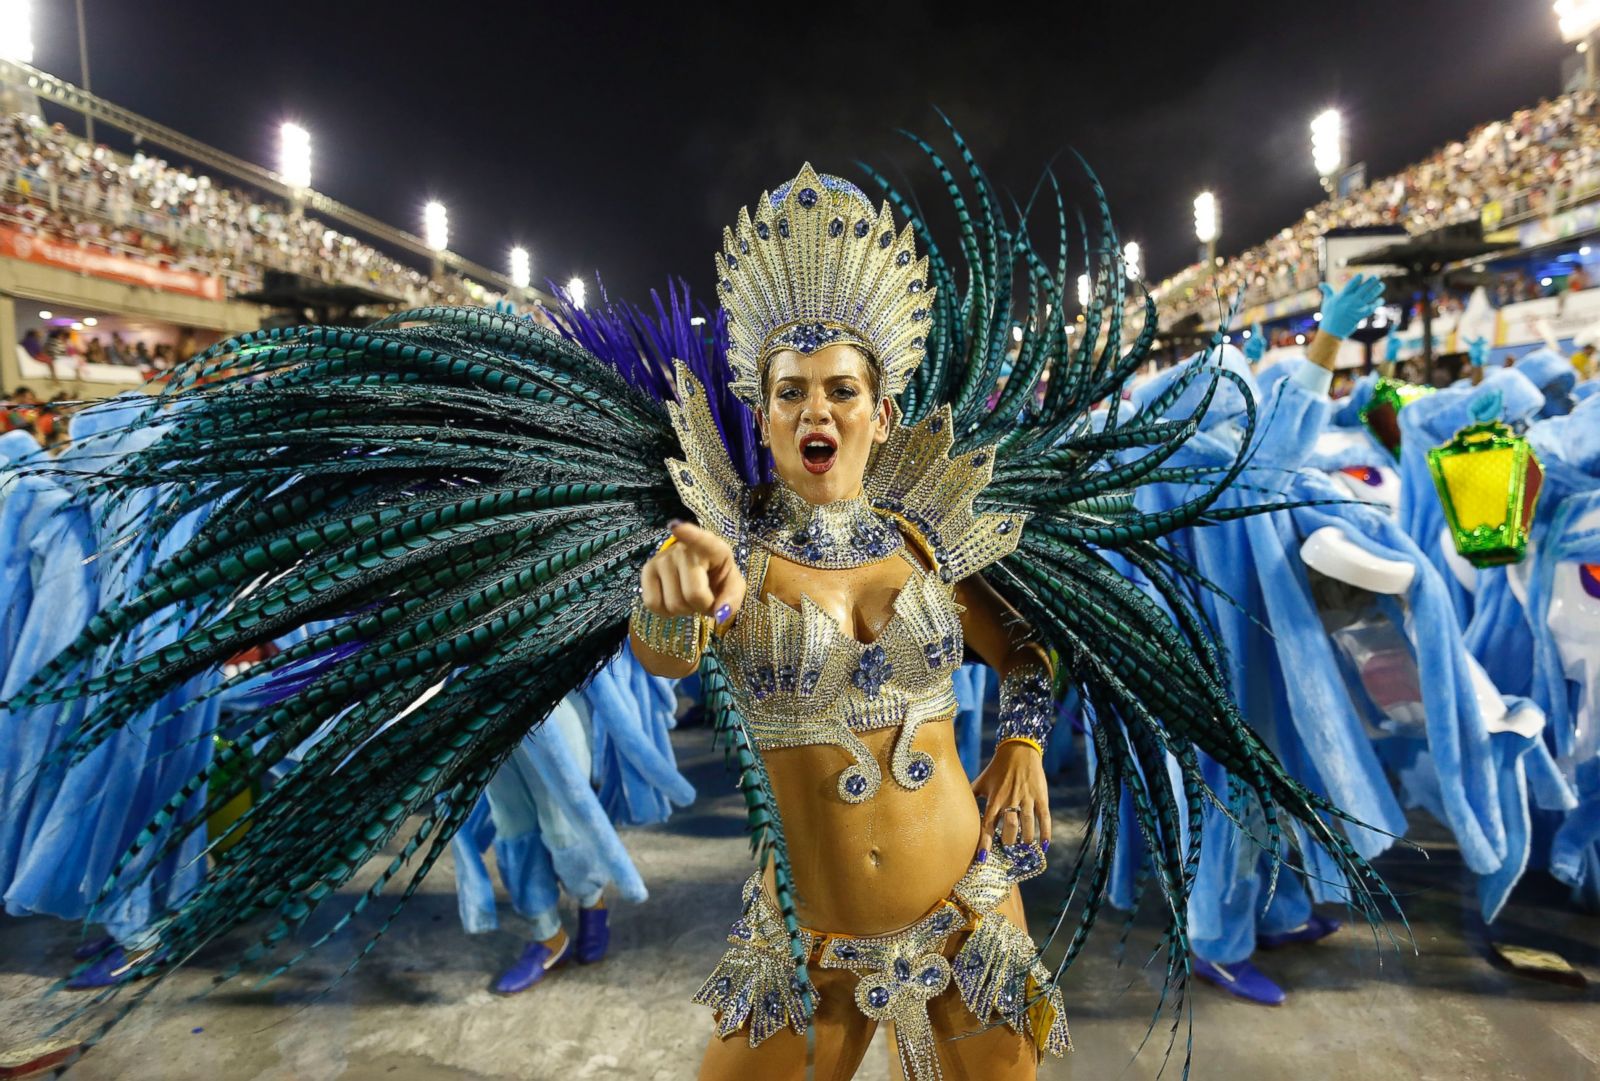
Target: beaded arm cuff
(1027, 710)
(680, 637)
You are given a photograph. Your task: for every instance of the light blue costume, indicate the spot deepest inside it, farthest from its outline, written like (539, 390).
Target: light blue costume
(80, 821)
(1563, 595)
(550, 828)
(1283, 667)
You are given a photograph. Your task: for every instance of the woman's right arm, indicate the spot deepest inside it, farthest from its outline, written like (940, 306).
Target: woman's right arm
(690, 587)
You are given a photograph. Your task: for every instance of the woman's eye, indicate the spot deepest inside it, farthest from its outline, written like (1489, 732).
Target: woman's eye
(844, 392)
(788, 394)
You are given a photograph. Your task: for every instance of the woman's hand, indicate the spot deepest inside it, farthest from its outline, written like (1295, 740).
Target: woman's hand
(694, 576)
(1014, 778)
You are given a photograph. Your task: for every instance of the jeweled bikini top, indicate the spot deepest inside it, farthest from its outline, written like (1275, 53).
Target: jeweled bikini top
(796, 677)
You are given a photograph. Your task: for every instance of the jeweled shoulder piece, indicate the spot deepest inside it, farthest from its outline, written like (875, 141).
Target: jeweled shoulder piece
(817, 266)
(705, 477)
(914, 478)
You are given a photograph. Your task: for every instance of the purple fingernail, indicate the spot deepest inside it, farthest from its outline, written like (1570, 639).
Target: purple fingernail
(674, 523)
(983, 855)
(1044, 846)
(723, 612)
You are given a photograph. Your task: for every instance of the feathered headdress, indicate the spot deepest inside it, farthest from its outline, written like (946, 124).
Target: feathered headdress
(816, 266)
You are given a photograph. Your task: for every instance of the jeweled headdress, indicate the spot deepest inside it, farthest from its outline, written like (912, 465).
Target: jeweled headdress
(816, 267)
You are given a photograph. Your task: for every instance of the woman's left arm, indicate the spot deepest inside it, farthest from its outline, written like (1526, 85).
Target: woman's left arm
(1014, 778)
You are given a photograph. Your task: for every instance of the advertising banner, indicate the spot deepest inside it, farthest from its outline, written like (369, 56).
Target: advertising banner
(69, 255)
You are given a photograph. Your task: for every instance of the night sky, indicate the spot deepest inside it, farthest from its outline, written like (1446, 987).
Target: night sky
(622, 138)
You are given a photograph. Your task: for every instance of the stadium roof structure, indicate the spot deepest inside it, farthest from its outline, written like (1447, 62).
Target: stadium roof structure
(1426, 256)
(332, 303)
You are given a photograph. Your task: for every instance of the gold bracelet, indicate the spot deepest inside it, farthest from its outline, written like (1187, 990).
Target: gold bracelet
(1035, 744)
(681, 637)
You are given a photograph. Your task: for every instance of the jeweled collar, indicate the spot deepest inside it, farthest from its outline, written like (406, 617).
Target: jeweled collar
(830, 536)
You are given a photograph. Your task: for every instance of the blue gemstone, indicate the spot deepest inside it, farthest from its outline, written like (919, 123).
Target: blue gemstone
(733, 261)
(762, 231)
(783, 228)
(727, 286)
(723, 985)
(936, 425)
(920, 313)
(915, 286)
(1005, 527)
(918, 342)
(878, 997)
(836, 227)
(855, 784)
(687, 477)
(885, 240)
(978, 460)
(902, 259)
(930, 976)
(972, 962)
(773, 1004)
(861, 228)
(744, 246)
(919, 770)
(902, 969)
(807, 197)
(846, 952)
(942, 921)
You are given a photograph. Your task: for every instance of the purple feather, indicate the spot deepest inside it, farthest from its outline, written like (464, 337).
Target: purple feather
(642, 346)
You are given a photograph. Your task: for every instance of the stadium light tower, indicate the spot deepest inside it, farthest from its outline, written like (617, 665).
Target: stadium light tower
(577, 291)
(1208, 224)
(1133, 260)
(1327, 145)
(16, 30)
(521, 269)
(1579, 21)
(294, 155)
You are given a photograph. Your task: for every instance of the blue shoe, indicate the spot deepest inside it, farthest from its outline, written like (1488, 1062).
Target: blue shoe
(594, 935)
(1241, 980)
(112, 969)
(1316, 927)
(530, 968)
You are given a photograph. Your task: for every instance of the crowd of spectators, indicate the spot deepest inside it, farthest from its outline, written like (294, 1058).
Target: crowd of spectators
(53, 183)
(1538, 161)
(63, 344)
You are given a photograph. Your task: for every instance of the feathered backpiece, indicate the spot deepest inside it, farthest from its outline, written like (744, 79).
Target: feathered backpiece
(1144, 663)
(461, 501)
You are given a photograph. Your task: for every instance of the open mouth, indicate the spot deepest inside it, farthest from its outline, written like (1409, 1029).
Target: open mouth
(818, 451)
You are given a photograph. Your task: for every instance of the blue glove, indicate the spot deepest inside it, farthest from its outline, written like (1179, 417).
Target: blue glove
(1256, 347)
(1391, 349)
(1477, 351)
(1358, 299)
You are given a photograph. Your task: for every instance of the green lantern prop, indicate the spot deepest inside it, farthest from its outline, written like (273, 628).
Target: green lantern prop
(1488, 479)
(1381, 414)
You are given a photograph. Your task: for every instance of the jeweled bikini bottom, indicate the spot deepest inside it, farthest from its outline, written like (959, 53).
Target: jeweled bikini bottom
(995, 970)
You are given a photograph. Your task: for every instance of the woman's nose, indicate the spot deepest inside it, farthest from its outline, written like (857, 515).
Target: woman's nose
(817, 408)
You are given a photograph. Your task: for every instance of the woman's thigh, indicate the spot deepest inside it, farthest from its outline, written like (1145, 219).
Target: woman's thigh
(841, 1030)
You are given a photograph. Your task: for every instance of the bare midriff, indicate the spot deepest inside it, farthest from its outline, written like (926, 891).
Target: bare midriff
(876, 866)
(873, 867)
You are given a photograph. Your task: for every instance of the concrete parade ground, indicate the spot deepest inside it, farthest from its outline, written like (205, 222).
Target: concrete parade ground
(419, 1006)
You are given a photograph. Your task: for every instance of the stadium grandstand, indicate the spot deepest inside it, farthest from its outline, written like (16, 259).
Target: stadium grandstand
(114, 266)
(1524, 190)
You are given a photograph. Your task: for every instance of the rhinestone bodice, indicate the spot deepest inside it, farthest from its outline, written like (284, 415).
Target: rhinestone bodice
(798, 679)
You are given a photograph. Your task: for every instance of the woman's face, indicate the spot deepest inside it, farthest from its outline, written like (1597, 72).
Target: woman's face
(821, 420)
